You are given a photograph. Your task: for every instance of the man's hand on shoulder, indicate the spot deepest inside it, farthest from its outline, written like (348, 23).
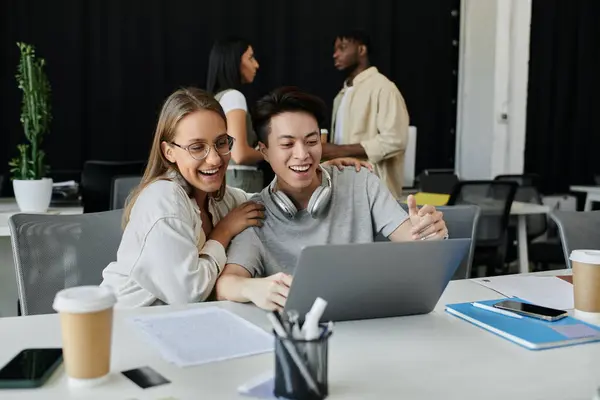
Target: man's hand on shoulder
(343, 162)
(345, 150)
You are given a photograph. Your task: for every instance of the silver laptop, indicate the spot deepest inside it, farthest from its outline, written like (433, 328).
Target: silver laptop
(375, 280)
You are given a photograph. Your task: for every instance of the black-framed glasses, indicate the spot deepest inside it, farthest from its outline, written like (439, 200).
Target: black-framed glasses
(200, 150)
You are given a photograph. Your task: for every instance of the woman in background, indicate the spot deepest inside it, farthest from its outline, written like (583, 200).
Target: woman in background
(232, 64)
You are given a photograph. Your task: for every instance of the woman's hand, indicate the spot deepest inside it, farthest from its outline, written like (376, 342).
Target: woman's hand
(269, 293)
(342, 162)
(243, 216)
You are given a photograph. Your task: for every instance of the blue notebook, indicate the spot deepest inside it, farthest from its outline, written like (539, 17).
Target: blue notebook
(531, 333)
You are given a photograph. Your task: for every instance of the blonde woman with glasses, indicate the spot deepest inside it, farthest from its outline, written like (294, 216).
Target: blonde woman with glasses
(181, 218)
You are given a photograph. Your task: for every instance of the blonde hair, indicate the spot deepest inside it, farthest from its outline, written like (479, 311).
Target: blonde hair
(178, 105)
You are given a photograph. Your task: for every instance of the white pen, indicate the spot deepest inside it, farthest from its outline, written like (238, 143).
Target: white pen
(497, 310)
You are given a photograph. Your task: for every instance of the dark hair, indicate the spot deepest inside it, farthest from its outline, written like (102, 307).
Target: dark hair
(224, 64)
(358, 36)
(285, 99)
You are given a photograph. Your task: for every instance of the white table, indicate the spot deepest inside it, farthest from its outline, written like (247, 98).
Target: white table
(9, 207)
(522, 210)
(593, 194)
(8, 282)
(434, 356)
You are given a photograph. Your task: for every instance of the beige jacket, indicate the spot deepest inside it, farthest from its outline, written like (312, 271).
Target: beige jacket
(376, 117)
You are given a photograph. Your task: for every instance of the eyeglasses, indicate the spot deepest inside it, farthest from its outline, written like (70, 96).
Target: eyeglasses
(200, 150)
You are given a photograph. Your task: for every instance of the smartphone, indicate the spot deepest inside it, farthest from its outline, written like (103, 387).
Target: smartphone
(531, 310)
(30, 368)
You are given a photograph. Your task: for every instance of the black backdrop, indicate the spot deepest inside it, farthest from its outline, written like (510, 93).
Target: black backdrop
(563, 129)
(111, 63)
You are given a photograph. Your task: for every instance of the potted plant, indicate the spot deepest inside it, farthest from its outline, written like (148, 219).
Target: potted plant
(33, 190)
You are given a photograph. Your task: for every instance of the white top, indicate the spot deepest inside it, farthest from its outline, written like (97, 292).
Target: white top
(164, 256)
(339, 119)
(233, 100)
(84, 299)
(433, 356)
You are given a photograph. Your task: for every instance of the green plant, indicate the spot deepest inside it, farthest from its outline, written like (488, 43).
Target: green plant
(35, 115)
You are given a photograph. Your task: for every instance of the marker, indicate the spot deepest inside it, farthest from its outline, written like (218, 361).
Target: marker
(497, 310)
(310, 329)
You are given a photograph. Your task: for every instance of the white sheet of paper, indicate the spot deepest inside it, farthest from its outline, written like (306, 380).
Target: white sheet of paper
(203, 335)
(547, 291)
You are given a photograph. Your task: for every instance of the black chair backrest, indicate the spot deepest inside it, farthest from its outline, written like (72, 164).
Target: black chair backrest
(597, 179)
(522, 180)
(438, 183)
(96, 181)
(494, 198)
(537, 224)
(528, 192)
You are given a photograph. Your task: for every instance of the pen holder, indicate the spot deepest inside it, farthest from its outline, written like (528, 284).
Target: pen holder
(290, 382)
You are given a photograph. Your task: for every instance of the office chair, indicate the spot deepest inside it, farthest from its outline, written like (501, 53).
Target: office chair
(495, 201)
(54, 252)
(96, 181)
(122, 186)
(579, 230)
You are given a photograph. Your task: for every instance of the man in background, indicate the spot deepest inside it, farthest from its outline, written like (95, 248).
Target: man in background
(370, 119)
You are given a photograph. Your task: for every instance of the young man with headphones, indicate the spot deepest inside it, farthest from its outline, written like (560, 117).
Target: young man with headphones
(307, 204)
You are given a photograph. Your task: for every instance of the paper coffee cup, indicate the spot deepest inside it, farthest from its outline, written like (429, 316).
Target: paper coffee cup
(586, 284)
(86, 314)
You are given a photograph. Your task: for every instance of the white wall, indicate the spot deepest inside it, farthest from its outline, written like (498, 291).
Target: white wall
(494, 55)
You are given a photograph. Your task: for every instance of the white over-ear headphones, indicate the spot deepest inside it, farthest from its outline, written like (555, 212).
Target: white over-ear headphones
(317, 203)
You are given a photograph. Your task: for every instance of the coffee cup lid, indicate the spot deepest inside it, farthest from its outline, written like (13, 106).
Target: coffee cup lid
(586, 256)
(84, 299)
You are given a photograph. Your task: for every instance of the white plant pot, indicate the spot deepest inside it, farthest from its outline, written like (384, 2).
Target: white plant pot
(33, 195)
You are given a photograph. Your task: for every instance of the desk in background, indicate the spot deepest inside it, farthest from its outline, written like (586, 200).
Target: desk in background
(592, 195)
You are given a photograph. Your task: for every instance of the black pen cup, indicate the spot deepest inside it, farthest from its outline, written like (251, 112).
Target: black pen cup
(290, 381)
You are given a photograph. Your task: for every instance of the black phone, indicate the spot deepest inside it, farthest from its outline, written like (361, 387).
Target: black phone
(30, 368)
(531, 310)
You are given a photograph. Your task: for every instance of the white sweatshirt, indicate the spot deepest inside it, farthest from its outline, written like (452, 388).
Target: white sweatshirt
(164, 257)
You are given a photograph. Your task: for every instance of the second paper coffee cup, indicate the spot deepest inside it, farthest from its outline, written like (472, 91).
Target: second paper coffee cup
(586, 284)
(86, 314)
